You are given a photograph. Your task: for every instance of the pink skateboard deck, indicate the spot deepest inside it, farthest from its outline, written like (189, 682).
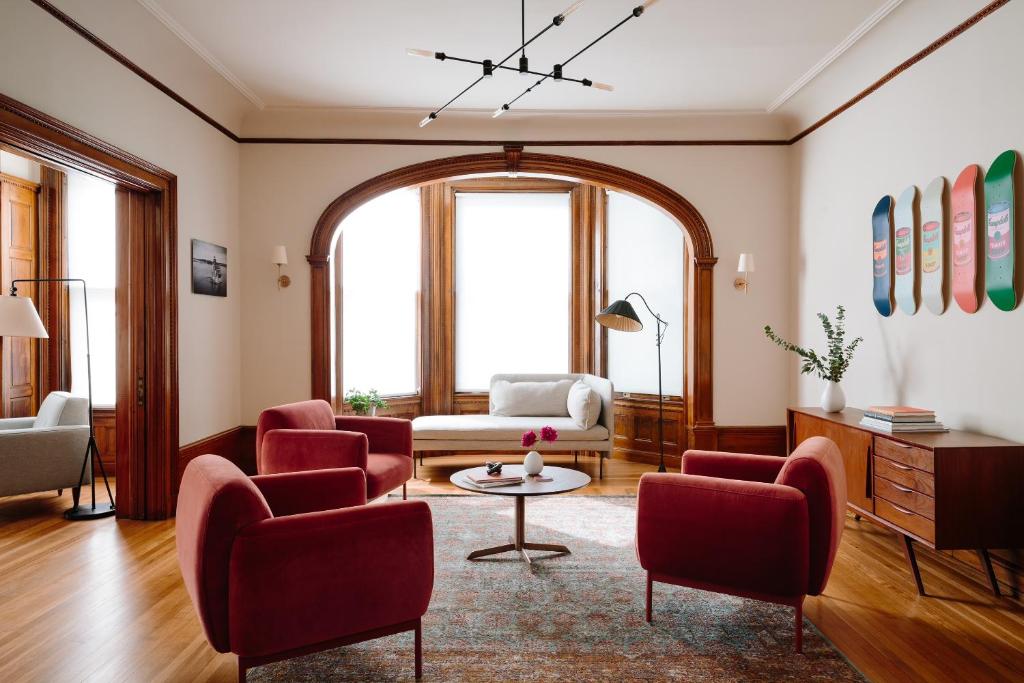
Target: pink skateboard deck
(964, 207)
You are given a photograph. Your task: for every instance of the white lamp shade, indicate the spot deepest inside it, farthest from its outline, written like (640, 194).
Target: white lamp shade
(18, 318)
(279, 256)
(746, 264)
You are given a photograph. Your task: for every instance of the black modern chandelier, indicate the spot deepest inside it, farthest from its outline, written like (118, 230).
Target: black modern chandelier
(489, 67)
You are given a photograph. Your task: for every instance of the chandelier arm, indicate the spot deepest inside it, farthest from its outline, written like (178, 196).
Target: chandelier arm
(512, 68)
(464, 91)
(601, 37)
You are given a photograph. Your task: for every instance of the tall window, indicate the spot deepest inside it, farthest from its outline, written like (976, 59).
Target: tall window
(645, 255)
(512, 285)
(92, 257)
(377, 284)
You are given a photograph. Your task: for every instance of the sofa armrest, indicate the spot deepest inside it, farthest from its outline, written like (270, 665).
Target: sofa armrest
(42, 459)
(293, 493)
(323, 575)
(746, 536)
(385, 434)
(16, 423)
(296, 450)
(763, 468)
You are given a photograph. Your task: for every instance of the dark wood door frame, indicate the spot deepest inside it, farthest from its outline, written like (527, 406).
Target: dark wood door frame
(147, 300)
(699, 360)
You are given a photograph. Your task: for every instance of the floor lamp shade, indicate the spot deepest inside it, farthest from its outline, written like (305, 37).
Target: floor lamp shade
(18, 318)
(620, 315)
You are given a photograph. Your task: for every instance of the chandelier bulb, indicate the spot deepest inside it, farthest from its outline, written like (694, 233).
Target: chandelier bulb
(415, 52)
(500, 110)
(602, 86)
(428, 118)
(575, 6)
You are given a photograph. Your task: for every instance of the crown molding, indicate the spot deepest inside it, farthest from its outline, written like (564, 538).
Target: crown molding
(193, 43)
(546, 113)
(834, 54)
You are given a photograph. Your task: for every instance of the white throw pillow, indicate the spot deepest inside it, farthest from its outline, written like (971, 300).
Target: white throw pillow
(530, 399)
(584, 405)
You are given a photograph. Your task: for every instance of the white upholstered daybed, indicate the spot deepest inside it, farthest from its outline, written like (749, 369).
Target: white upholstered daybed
(503, 432)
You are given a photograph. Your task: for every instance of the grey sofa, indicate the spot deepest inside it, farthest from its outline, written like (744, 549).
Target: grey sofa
(45, 452)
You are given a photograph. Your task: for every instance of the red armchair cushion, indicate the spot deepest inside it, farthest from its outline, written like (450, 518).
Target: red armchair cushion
(295, 450)
(385, 472)
(216, 500)
(302, 415)
(763, 468)
(297, 492)
(816, 469)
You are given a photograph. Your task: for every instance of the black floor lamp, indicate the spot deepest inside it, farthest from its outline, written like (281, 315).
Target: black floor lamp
(621, 316)
(19, 318)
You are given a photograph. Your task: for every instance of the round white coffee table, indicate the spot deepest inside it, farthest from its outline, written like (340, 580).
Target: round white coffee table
(563, 480)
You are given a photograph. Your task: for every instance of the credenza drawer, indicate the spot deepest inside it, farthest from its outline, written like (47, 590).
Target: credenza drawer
(919, 458)
(905, 497)
(905, 475)
(916, 524)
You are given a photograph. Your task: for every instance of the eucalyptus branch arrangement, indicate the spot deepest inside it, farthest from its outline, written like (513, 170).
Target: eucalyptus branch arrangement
(832, 365)
(364, 402)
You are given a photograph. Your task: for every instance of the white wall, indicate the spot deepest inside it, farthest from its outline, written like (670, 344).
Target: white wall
(52, 69)
(741, 191)
(19, 166)
(961, 105)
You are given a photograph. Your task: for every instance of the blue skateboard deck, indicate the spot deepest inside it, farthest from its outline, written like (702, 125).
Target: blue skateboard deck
(881, 235)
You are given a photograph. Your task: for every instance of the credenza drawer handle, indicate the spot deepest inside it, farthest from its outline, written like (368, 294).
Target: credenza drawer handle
(906, 512)
(900, 467)
(901, 445)
(903, 488)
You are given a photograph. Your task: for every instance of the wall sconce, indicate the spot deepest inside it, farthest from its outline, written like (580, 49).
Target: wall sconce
(279, 257)
(744, 268)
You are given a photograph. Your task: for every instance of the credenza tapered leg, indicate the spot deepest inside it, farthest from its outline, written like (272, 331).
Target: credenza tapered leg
(908, 552)
(986, 564)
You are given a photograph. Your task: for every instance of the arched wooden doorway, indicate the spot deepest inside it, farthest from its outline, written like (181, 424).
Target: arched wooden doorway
(699, 328)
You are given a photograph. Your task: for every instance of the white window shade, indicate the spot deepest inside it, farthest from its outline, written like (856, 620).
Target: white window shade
(92, 256)
(512, 285)
(646, 255)
(379, 249)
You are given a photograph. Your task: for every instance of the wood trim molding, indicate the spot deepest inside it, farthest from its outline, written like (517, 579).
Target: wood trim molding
(759, 440)
(237, 444)
(700, 248)
(147, 384)
(269, 140)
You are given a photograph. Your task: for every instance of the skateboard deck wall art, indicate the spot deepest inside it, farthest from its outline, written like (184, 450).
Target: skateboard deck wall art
(933, 247)
(905, 251)
(1000, 224)
(881, 236)
(963, 203)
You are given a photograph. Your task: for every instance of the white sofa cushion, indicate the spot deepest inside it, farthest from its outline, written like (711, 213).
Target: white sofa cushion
(499, 428)
(544, 399)
(61, 409)
(584, 405)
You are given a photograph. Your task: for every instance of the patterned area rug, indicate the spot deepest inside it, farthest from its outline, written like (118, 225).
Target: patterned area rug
(574, 617)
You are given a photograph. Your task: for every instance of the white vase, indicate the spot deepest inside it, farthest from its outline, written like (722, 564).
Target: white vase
(533, 463)
(833, 400)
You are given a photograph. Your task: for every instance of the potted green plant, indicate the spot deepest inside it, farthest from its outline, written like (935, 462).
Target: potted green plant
(830, 366)
(365, 402)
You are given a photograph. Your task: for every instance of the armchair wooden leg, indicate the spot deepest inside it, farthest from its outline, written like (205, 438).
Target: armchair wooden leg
(799, 627)
(419, 649)
(60, 492)
(649, 597)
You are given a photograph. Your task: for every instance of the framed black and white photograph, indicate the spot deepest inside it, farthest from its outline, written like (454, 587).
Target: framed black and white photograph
(209, 269)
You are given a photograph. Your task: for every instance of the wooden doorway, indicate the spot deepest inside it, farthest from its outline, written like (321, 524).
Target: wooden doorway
(146, 299)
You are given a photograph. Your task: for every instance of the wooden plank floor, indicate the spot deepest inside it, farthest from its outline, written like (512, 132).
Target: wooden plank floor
(103, 601)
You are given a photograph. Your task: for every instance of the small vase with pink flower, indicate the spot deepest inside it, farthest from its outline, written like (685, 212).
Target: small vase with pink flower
(533, 463)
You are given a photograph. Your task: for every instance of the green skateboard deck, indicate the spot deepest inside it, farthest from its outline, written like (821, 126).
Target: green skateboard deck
(933, 243)
(905, 251)
(881, 253)
(999, 234)
(963, 203)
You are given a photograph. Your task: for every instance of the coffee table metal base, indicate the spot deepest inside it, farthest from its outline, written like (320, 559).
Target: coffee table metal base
(519, 543)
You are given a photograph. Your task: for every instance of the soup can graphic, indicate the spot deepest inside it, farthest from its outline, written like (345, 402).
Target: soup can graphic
(930, 246)
(963, 238)
(881, 254)
(903, 251)
(998, 230)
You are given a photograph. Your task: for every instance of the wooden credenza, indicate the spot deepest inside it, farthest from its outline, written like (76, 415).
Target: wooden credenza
(950, 491)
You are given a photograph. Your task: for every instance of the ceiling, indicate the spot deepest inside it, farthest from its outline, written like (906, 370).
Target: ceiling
(681, 55)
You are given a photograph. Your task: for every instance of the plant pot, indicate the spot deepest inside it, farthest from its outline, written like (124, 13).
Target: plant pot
(533, 463)
(833, 400)
(372, 412)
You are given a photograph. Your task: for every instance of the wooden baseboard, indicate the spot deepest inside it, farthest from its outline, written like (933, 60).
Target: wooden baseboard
(237, 444)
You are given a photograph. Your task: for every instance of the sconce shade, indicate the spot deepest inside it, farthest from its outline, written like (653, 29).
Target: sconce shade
(621, 316)
(279, 256)
(746, 264)
(18, 318)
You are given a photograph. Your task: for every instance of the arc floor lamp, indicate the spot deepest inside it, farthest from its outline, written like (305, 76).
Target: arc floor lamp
(19, 318)
(621, 315)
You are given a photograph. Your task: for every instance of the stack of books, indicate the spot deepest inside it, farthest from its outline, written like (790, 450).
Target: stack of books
(897, 419)
(488, 481)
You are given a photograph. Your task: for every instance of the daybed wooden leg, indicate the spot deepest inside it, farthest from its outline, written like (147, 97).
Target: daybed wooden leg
(419, 649)
(600, 467)
(649, 596)
(800, 627)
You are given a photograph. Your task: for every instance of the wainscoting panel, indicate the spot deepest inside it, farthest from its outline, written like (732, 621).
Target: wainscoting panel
(106, 439)
(766, 440)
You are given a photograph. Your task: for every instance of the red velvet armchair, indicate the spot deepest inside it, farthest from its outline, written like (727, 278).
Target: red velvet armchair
(755, 526)
(308, 436)
(282, 565)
